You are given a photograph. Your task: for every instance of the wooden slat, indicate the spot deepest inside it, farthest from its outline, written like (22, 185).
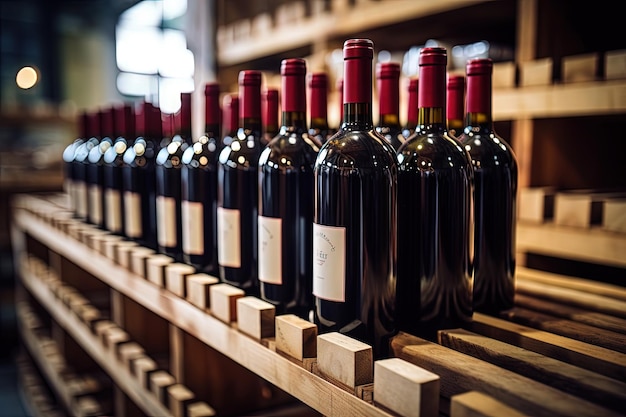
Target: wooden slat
(585, 355)
(561, 375)
(479, 404)
(460, 373)
(600, 320)
(568, 328)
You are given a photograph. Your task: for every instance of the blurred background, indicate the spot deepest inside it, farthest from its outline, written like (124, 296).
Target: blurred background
(559, 80)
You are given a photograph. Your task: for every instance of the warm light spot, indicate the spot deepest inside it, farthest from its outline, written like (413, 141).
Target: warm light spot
(26, 78)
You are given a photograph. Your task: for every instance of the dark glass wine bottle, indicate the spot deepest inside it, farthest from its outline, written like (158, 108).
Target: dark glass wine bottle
(124, 122)
(269, 109)
(388, 85)
(230, 118)
(354, 230)
(411, 108)
(456, 104)
(285, 223)
(495, 201)
(139, 178)
(80, 163)
(318, 121)
(341, 102)
(168, 181)
(434, 214)
(238, 192)
(95, 178)
(69, 153)
(199, 189)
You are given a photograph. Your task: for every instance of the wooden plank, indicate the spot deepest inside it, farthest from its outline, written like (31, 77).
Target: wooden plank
(479, 404)
(460, 373)
(575, 380)
(405, 388)
(575, 352)
(567, 328)
(600, 320)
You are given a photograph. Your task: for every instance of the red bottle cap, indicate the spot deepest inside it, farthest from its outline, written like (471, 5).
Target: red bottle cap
(293, 88)
(456, 97)
(211, 105)
(432, 77)
(357, 75)
(230, 112)
(318, 83)
(250, 94)
(388, 80)
(479, 85)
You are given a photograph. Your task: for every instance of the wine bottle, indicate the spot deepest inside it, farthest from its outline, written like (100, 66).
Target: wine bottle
(269, 109)
(455, 104)
(434, 214)
(199, 189)
(285, 222)
(354, 230)
(411, 116)
(69, 153)
(124, 122)
(168, 181)
(495, 182)
(318, 93)
(95, 180)
(139, 178)
(388, 84)
(341, 102)
(238, 194)
(80, 163)
(230, 118)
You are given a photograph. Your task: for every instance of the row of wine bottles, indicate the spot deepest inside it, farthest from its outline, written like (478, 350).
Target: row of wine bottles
(365, 230)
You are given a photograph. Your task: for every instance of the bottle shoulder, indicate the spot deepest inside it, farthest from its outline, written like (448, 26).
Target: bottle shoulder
(205, 151)
(432, 151)
(488, 148)
(357, 149)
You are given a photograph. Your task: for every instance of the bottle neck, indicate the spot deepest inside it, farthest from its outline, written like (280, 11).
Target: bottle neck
(319, 123)
(389, 120)
(249, 111)
(357, 94)
(293, 121)
(432, 97)
(212, 130)
(389, 101)
(479, 102)
(357, 116)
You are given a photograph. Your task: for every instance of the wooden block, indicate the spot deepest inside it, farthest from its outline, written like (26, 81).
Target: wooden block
(405, 388)
(255, 317)
(155, 268)
(536, 204)
(93, 239)
(224, 301)
(129, 351)
(138, 257)
(113, 336)
(142, 367)
(262, 24)
(200, 409)
(122, 253)
(479, 404)
(615, 64)
(296, 337)
(176, 275)
(614, 216)
(160, 381)
(536, 72)
(504, 74)
(89, 315)
(580, 68)
(198, 286)
(101, 327)
(179, 397)
(581, 208)
(577, 381)
(75, 301)
(109, 245)
(344, 360)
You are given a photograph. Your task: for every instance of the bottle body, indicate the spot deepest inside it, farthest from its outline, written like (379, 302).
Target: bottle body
(495, 204)
(113, 186)
(199, 190)
(238, 191)
(285, 224)
(354, 230)
(434, 215)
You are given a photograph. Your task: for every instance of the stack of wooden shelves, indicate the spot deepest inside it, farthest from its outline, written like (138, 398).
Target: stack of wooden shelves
(175, 342)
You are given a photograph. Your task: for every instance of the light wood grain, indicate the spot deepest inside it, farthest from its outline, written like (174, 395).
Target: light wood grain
(179, 396)
(160, 381)
(155, 268)
(138, 256)
(575, 380)
(255, 317)
(122, 253)
(224, 301)
(127, 352)
(405, 388)
(176, 275)
(200, 409)
(198, 286)
(460, 373)
(296, 337)
(479, 404)
(345, 360)
(141, 367)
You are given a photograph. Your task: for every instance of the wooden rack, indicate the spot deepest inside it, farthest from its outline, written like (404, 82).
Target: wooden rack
(559, 351)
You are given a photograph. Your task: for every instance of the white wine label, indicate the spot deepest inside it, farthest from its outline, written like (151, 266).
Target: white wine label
(270, 250)
(95, 203)
(329, 262)
(132, 214)
(80, 193)
(229, 241)
(192, 217)
(113, 215)
(166, 221)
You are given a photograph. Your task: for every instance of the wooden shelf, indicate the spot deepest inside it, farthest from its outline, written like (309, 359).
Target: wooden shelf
(367, 16)
(591, 245)
(92, 345)
(312, 390)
